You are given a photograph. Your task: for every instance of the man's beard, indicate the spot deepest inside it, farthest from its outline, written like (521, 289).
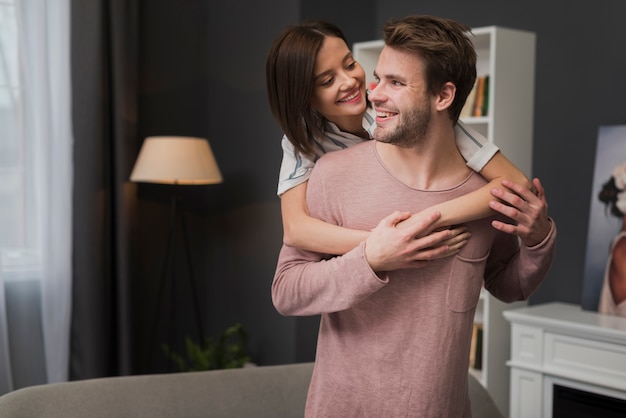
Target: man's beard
(410, 131)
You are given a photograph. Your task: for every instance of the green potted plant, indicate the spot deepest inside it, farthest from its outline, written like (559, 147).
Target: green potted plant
(225, 351)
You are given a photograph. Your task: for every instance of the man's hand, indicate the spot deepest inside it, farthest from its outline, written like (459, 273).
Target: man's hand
(529, 212)
(390, 247)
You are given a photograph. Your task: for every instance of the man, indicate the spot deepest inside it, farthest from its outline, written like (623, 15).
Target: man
(394, 341)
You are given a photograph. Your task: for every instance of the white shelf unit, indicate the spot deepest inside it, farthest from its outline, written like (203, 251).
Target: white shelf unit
(508, 57)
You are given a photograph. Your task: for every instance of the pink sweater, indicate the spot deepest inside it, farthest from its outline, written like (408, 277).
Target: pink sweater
(395, 345)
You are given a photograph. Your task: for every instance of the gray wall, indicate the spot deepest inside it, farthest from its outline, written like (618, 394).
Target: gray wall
(219, 93)
(202, 72)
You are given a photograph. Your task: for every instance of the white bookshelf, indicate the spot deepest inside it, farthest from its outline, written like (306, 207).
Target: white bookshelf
(508, 57)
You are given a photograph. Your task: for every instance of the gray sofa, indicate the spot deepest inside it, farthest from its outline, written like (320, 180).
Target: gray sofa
(251, 392)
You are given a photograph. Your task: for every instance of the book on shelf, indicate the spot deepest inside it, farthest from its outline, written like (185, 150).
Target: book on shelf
(485, 104)
(468, 108)
(477, 103)
(476, 347)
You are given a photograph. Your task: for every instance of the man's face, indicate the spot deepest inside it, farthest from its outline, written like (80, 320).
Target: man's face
(402, 104)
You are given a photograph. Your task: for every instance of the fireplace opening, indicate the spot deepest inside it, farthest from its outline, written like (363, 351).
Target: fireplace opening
(573, 403)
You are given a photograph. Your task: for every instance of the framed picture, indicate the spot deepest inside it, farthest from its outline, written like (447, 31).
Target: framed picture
(606, 224)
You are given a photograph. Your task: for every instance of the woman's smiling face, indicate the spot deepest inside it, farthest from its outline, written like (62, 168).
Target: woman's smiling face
(339, 83)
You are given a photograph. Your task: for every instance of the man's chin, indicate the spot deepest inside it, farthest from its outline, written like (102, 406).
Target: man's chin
(380, 134)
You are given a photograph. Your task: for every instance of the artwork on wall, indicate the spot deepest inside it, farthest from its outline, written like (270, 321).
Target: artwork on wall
(604, 285)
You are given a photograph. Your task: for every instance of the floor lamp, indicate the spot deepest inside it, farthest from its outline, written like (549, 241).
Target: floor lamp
(178, 161)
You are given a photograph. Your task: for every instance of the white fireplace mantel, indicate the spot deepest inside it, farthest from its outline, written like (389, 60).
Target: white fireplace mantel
(562, 343)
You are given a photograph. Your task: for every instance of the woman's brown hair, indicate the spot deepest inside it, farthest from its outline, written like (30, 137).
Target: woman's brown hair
(289, 72)
(608, 195)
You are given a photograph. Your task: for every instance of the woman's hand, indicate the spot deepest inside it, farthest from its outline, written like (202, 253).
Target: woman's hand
(528, 211)
(394, 244)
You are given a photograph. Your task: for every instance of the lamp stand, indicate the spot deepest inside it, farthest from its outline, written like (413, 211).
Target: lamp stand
(176, 213)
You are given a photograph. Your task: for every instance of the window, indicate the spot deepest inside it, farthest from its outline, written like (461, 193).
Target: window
(35, 192)
(12, 173)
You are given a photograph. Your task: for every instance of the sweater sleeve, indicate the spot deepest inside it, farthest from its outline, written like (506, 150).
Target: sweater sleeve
(514, 272)
(306, 284)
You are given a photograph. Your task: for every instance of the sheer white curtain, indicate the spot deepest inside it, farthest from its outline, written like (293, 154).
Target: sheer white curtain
(35, 192)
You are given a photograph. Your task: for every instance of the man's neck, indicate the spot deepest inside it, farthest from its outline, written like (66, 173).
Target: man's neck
(434, 164)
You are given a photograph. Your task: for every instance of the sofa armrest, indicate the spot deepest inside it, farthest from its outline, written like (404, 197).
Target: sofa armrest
(265, 391)
(483, 406)
(250, 392)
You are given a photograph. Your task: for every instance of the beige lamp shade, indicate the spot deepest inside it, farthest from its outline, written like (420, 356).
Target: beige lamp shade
(176, 160)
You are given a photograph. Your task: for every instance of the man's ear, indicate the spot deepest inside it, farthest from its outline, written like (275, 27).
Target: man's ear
(446, 96)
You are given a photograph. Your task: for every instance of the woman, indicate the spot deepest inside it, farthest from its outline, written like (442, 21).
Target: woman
(613, 294)
(317, 93)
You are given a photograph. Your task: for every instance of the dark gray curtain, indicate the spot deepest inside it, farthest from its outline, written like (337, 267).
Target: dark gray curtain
(104, 42)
